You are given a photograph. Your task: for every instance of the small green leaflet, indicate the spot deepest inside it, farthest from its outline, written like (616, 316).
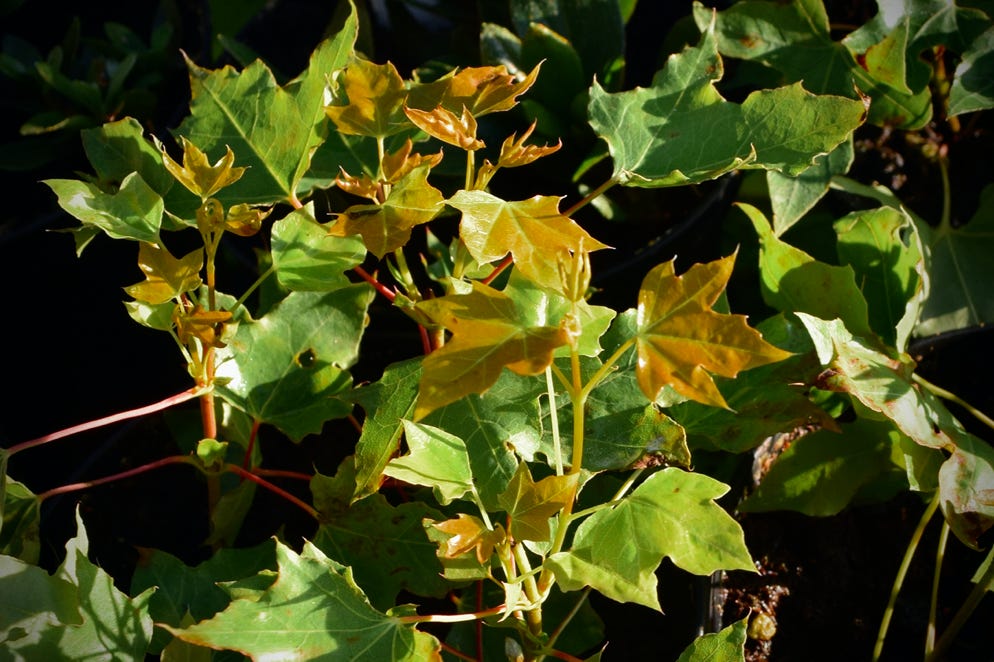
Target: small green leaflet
(306, 257)
(728, 645)
(133, 211)
(436, 459)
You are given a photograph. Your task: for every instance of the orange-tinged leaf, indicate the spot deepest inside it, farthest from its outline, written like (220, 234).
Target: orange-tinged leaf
(165, 276)
(514, 152)
(489, 332)
(198, 175)
(385, 228)
(397, 165)
(530, 504)
(442, 123)
(375, 94)
(481, 90)
(468, 534)
(201, 324)
(532, 231)
(245, 220)
(681, 339)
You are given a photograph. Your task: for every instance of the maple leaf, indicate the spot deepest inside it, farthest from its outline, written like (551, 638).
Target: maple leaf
(385, 228)
(530, 504)
(375, 94)
(680, 339)
(165, 276)
(466, 534)
(197, 174)
(489, 332)
(447, 126)
(533, 231)
(481, 90)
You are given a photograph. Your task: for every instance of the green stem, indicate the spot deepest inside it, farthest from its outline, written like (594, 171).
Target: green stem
(940, 552)
(901, 572)
(952, 397)
(981, 588)
(569, 617)
(946, 220)
(470, 169)
(532, 616)
(554, 421)
(253, 287)
(590, 197)
(452, 618)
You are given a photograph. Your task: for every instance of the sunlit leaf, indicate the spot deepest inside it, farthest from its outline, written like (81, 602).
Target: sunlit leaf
(289, 368)
(166, 277)
(385, 228)
(481, 90)
(134, 211)
(681, 130)
(449, 127)
(489, 333)
(369, 100)
(960, 272)
(681, 339)
(198, 175)
(966, 489)
(467, 534)
(791, 280)
(313, 609)
(672, 514)
(306, 257)
(530, 504)
(533, 231)
(35, 603)
(245, 220)
(20, 520)
(728, 645)
(117, 149)
(436, 459)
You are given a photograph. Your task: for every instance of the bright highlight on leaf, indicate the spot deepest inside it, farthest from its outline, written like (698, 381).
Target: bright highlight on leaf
(437, 459)
(680, 339)
(533, 231)
(481, 90)
(447, 126)
(198, 175)
(489, 333)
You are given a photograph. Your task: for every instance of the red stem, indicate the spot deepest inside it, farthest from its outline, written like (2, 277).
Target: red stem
(107, 420)
(251, 443)
(462, 656)
(75, 487)
(504, 264)
(479, 624)
(282, 473)
(310, 510)
(380, 287)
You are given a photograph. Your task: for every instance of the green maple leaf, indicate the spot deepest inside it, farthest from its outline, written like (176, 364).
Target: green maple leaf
(306, 257)
(533, 231)
(681, 130)
(312, 610)
(385, 228)
(274, 130)
(489, 332)
(436, 459)
(289, 368)
(166, 277)
(133, 211)
(681, 339)
(673, 513)
(530, 504)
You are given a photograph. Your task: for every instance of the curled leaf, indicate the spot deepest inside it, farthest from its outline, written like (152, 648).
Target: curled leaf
(441, 123)
(481, 90)
(245, 220)
(514, 152)
(204, 325)
(468, 534)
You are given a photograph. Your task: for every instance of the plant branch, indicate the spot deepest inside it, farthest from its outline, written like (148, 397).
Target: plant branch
(172, 400)
(462, 656)
(452, 618)
(952, 397)
(554, 421)
(306, 507)
(504, 264)
(591, 196)
(253, 287)
(966, 609)
(86, 484)
(901, 572)
(574, 610)
(380, 287)
(940, 552)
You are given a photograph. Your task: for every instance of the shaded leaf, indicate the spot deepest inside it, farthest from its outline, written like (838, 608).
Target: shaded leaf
(966, 489)
(166, 277)
(973, 84)
(312, 609)
(960, 271)
(681, 339)
(533, 231)
(306, 257)
(680, 130)
(728, 645)
(385, 228)
(385, 546)
(820, 473)
(529, 505)
(791, 280)
(672, 514)
(792, 197)
(117, 149)
(20, 518)
(289, 368)
(489, 332)
(436, 459)
(134, 211)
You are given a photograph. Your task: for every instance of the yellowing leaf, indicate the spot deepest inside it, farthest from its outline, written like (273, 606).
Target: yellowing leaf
(198, 175)
(468, 534)
(480, 90)
(244, 220)
(375, 95)
(387, 227)
(680, 339)
(397, 165)
(203, 325)
(530, 504)
(533, 231)
(441, 123)
(514, 152)
(165, 276)
(489, 332)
